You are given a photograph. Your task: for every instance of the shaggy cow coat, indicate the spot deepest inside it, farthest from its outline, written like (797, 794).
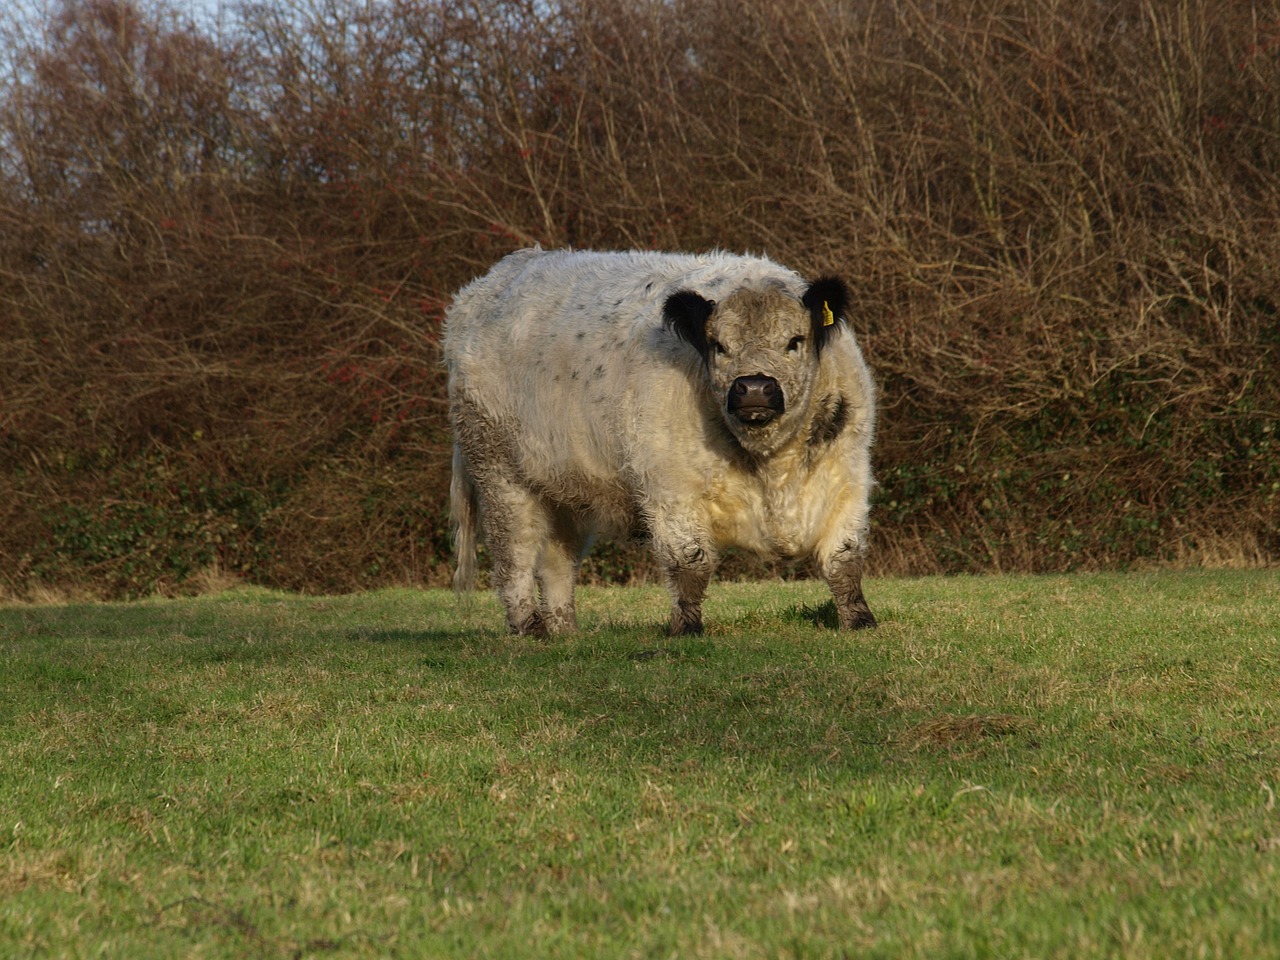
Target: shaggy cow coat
(703, 401)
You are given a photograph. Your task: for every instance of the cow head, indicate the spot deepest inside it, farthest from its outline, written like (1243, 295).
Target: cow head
(761, 350)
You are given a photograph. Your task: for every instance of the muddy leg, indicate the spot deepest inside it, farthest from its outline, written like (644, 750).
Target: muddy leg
(844, 576)
(557, 572)
(688, 568)
(516, 529)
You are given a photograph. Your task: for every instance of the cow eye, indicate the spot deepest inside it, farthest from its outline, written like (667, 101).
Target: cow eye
(794, 345)
(716, 347)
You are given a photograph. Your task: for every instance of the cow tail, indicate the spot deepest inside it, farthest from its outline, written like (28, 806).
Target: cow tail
(464, 511)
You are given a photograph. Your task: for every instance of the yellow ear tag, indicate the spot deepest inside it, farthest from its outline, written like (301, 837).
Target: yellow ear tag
(828, 318)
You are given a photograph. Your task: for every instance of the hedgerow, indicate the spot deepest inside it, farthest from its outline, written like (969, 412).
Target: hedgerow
(229, 241)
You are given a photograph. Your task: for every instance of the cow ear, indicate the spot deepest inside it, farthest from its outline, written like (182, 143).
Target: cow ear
(685, 313)
(827, 300)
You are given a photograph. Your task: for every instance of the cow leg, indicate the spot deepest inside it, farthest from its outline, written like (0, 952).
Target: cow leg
(688, 567)
(516, 529)
(844, 575)
(557, 572)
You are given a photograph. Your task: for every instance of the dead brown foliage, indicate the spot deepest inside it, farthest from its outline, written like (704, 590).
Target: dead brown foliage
(949, 731)
(226, 249)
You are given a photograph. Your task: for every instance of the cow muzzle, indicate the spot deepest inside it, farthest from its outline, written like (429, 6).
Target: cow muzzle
(754, 401)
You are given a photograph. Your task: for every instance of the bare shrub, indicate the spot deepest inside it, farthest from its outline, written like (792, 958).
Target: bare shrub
(227, 249)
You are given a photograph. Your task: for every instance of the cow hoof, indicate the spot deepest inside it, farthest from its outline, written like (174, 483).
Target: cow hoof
(862, 619)
(683, 629)
(532, 626)
(562, 621)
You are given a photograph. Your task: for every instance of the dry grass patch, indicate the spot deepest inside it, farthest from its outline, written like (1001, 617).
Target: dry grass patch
(949, 731)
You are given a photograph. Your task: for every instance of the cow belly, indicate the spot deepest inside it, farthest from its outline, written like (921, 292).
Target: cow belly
(601, 507)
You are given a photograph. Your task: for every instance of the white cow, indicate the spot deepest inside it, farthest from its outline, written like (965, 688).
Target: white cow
(706, 401)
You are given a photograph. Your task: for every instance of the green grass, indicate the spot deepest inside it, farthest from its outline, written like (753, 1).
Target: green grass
(1010, 766)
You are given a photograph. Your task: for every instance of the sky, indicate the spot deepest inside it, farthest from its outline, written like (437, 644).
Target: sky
(33, 11)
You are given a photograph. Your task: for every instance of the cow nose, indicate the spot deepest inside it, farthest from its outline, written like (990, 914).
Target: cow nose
(755, 400)
(755, 391)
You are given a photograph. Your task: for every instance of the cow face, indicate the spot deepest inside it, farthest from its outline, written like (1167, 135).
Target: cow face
(761, 351)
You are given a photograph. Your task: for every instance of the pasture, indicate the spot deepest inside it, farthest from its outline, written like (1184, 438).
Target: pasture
(1062, 766)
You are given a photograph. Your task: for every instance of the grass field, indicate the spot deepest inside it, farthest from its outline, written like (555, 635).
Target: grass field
(1068, 766)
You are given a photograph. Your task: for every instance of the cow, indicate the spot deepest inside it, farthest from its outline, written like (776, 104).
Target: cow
(699, 401)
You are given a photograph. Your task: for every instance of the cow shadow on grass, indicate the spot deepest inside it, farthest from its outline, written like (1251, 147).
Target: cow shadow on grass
(651, 640)
(822, 615)
(749, 688)
(438, 648)
(416, 638)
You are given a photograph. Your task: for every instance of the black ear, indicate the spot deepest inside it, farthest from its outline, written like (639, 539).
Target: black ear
(685, 314)
(827, 300)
